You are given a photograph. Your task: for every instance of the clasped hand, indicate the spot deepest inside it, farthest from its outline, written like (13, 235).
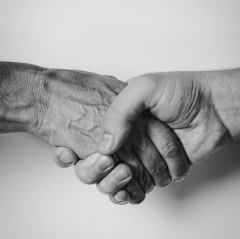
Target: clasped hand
(155, 128)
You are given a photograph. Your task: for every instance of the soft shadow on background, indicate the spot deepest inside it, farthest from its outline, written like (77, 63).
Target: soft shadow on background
(124, 39)
(223, 165)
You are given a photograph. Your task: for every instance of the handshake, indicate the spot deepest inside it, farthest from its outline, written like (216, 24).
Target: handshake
(125, 137)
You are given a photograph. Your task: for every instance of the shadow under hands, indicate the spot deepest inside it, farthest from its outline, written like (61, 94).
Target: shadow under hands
(220, 167)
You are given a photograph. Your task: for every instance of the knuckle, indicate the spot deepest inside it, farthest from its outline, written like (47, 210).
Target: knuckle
(160, 175)
(136, 194)
(146, 181)
(135, 165)
(131, 186)
(171, 149)
(159, 168)
(126, 156)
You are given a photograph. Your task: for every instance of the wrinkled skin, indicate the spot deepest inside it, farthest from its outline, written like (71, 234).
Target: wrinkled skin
(195, 105)
(67, 108)
(73, 117)
(185, 101)
(77, 102)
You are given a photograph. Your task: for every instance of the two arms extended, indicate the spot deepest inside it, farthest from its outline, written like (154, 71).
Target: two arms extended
(158, 125)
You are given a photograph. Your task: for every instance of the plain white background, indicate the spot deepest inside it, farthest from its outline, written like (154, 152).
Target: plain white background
(121, 38)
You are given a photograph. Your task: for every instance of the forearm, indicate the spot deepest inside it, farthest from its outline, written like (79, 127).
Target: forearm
(21, 101)
(64, 107)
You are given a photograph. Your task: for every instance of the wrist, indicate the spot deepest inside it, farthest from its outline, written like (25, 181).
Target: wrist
(225, 94)
(201, 129)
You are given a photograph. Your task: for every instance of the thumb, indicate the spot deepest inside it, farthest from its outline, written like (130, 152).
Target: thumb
(120, 116)
(64, 157)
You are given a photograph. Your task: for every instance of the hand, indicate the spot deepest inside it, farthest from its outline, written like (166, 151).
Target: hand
(187, 102)
(196, 105)
(73, 118)
(75, 121)
(64, 107)
(138, 145)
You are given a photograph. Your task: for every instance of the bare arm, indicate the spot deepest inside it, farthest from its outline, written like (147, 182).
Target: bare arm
(61, 106)
(225, 87)
(67, 108)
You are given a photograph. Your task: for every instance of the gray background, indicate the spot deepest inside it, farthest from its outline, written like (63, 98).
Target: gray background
(121, 38)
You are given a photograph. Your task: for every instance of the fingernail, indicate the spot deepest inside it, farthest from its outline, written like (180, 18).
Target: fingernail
(66, 158)
(106, 143)
(121, 197)
(179, 180)
(120, 175)
(103, 163)
(118, 198)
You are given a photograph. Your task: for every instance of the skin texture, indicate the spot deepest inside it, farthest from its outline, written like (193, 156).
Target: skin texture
(67, 109)
(75, 120)
(184, 101)
(202, 108)
(78, 117)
